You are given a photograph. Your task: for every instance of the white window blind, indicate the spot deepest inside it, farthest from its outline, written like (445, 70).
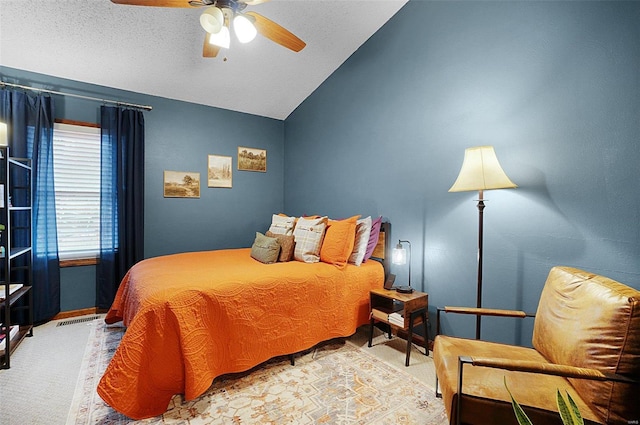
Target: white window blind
(76, 164)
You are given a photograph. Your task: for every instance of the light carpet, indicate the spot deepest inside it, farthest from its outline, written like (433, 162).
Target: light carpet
(336, 383)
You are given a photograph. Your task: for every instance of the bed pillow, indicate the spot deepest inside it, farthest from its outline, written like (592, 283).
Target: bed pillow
(265, 249)
(308, 235)
(287, 245)
(338, 241)
(282, 224)
(361, 240)
(373, 237)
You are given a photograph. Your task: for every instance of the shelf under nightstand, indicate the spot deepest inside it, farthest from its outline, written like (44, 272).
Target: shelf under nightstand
(412, 307)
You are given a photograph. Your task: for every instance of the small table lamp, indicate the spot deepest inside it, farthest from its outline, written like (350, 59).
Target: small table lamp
(400, 258)
(480, 171)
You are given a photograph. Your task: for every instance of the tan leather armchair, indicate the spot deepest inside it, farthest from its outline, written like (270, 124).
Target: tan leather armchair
(586, 341)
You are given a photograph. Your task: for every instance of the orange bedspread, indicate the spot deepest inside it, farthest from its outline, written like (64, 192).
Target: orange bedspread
(195, 316)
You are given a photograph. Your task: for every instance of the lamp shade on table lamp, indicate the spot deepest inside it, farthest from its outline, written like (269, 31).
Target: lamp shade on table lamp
(400, 257)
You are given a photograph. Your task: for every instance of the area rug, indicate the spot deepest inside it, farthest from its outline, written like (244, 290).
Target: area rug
(335, 383)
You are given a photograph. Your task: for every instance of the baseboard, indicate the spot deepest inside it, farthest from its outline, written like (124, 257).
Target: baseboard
(75, 313)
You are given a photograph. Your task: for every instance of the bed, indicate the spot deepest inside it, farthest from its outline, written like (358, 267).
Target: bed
(195, 316)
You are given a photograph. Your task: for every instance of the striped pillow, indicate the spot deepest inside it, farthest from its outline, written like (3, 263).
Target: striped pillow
(308, 234)
(363, 231)
(282, 224)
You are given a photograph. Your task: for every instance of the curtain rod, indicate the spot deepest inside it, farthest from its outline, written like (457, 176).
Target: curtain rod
(133, 105)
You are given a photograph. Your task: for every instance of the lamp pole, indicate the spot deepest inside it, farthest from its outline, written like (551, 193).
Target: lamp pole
(479, 295)
(409, 261)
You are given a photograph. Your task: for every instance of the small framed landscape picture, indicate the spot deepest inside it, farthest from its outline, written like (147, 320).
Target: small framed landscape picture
(219, 171)
(252, 159)
(181, 184)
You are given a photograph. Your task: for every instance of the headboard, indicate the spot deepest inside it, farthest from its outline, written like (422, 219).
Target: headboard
(382, 251)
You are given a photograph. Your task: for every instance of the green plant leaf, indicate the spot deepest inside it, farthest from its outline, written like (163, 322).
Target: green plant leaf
(563, 410)
(570, 414)
(522, 417)
(575, 412)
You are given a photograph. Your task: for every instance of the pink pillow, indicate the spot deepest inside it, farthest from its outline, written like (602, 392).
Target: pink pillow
(373, 237)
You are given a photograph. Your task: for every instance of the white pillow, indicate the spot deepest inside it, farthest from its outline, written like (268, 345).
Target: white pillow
(363, 231)
(308, 234)
(282, 225)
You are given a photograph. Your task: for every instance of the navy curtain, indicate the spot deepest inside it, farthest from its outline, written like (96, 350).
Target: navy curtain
(121, 199)
(30, 121)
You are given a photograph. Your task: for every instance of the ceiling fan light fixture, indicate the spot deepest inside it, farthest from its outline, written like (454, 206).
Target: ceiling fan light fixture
(222, 38)
(244, 28)
(212, 20)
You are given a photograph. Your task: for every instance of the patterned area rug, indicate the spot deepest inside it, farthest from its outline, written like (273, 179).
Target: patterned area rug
(336, 383)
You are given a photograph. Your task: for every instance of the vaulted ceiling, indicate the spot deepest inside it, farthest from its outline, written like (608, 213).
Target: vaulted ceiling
(158, 51)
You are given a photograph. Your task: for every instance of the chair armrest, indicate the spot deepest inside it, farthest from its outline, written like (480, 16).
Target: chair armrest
(480, 312)
(546, 369)
(486, 311)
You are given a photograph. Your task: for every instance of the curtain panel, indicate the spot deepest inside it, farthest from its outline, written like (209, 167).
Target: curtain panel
(30, 120)
(121, 199)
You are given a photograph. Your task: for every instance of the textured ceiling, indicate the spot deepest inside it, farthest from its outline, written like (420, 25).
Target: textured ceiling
(158, 51)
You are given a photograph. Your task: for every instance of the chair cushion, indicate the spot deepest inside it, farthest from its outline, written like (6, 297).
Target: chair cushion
(591, 321)
(485, 399)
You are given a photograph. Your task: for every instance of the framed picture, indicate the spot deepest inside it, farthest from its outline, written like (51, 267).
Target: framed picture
(181, 184)
(252, 159)
(219, 172)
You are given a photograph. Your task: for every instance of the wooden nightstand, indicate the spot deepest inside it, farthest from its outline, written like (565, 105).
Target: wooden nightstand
(411, 307)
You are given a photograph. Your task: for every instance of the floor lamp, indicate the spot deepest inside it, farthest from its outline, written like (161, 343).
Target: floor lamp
(480, 171)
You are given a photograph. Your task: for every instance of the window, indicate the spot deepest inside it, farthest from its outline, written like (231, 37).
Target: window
(76, 164)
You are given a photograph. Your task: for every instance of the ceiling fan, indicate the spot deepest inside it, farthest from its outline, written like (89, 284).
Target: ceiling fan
(221, 15)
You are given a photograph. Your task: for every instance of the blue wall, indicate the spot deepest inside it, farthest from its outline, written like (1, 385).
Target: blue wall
(179, 136)
(553, 86)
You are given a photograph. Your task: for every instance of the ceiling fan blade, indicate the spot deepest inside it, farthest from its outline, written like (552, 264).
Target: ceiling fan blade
(209, 50)
(156, 3)
(276, 33)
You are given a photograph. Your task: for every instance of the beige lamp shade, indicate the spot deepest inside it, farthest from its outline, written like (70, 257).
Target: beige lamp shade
(4, 136)
(481, 171)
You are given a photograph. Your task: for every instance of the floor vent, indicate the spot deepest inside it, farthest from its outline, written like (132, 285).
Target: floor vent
(80, 320)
